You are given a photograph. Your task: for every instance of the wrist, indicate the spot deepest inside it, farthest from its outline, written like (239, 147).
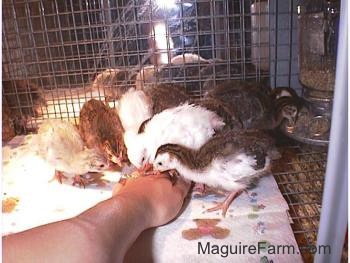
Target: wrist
(115, 223)
(124, 209)
(138, 207)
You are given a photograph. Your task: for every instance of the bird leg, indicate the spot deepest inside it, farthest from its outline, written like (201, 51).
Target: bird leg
(77, 179)
(226, 203)
(59, 176)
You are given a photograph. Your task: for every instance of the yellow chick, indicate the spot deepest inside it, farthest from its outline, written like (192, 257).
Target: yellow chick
(59, 143)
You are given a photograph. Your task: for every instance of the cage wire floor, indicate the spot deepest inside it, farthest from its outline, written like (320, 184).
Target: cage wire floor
(300, 177)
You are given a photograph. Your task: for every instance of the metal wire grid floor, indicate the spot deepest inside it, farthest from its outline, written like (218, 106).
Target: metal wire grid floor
(300, 177)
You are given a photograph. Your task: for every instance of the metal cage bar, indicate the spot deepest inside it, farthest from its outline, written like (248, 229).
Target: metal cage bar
(334, 216)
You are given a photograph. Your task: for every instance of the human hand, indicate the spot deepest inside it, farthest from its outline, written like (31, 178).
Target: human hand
(160, 199)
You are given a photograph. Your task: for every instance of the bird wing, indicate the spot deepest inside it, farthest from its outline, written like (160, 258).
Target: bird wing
(232, 148)
(249, 102)
(165, 96)
(186, 125)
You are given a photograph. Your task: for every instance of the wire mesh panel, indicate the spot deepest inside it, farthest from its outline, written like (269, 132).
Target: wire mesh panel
(65, 52)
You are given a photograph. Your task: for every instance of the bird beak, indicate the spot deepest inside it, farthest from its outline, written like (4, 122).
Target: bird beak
(111, 155)
(290, 122)
(116, 160)
(293, 121)
(147, 167)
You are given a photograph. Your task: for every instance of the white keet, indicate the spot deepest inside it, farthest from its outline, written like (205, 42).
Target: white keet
(187, 125)
(134, 108)
(136, 148)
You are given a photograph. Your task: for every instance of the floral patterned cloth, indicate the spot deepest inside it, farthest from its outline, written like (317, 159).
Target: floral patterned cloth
(256, 217)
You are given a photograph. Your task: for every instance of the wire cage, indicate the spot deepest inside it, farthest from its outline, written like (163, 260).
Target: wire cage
(59, 54)
(56, 50)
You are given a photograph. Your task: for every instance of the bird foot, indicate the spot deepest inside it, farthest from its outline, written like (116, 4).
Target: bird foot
(77, 179)
(94, 178)
(59, 176)
(226, 203)
(199, 189)
(173, 175)
(147, 169)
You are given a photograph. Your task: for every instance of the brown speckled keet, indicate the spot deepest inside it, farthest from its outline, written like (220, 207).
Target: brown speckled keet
(253, 105)
(226, 143)
(100, 128)
(165, 96)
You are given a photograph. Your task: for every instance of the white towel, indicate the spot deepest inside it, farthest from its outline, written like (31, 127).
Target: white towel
(260, 215)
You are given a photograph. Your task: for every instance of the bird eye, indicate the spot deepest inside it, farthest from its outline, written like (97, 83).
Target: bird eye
(160, 163)
(143, 159)
(102, 165)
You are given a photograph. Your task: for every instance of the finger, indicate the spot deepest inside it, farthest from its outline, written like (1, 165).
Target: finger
(160, 176)
(117, 188)
(183, 186)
